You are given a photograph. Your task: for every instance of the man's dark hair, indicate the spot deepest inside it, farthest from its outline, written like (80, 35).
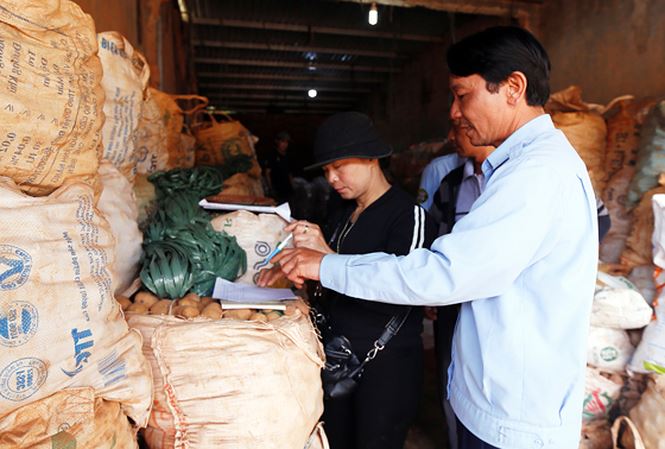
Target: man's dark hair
(497, 52)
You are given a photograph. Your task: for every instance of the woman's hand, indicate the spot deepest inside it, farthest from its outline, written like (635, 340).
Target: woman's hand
(308, 235)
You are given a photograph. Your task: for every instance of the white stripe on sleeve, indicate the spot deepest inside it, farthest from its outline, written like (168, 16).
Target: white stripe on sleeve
(416, 228)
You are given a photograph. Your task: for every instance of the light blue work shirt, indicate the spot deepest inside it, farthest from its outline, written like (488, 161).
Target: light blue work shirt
(432, 175)
(523, 263)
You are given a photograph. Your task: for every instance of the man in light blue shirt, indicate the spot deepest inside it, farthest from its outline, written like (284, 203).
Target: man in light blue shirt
(432, 175)
(522, 263)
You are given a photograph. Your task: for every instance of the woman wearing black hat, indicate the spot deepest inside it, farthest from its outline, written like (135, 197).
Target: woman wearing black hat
(375, 217)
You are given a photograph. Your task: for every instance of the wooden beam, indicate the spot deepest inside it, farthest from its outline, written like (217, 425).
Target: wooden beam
(287, 111)
(314, 29)
(353, 79)
(315, 103)
(299, 48)
(282, 87)
(274, 97)
(501, 8)
(300, 65)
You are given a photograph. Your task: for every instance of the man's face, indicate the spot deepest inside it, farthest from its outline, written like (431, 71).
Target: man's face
(282, 145)
(483, 116)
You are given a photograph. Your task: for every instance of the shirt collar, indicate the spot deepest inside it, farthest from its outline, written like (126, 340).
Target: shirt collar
(525, 134)
(469, 168)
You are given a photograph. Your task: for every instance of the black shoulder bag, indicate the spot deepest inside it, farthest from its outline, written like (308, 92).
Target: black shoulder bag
(343, 369)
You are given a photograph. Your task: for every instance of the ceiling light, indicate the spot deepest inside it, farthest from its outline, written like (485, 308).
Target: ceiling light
(373, 16)
(312, 93)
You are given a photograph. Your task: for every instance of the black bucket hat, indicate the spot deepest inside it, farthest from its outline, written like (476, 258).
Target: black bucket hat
(347, 135)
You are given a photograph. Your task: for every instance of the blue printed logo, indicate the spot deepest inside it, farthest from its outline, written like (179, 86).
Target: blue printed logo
(82, 342)
(22, 378)
(15, 265)
(18, 323)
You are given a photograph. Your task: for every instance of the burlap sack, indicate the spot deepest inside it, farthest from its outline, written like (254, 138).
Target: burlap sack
(117, 204)
(242, 184)
(51, 106)
(649, 414)
(68, 419)
(615, 199)
(151, 138)
(146, 198)
(256, 234)
(162, 143)
(218, 140)
(596, 435)
(624, 121)
(231, 383)
(60, 325)
(126, 76)
(585, 129)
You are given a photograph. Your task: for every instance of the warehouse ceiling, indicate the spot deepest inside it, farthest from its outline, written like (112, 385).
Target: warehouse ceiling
(265, 55)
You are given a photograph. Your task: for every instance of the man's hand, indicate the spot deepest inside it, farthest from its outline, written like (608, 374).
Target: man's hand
(267, 277)
(299, 264)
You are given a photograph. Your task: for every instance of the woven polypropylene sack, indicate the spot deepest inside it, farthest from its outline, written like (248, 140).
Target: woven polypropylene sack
(638, 250)
(256, 234)
(51, 112)
(60, 326)
(126, 75)
(257, 384)
(615, 199)
(118, 205)
(68, 419)
(219, 140)
(649, 414)
(600, 393)
(651, 154)
(242, 184)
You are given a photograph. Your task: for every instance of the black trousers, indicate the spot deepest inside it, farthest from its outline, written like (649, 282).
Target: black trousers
(444, 329)
(467, 440)
(380, 411)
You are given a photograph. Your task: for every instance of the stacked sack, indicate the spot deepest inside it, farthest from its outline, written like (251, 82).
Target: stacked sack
(233, 378)
(227, 141)
(71, 371)
(618, 307)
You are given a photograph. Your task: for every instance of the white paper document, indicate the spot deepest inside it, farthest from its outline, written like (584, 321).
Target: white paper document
(231, 291)
(283, 210)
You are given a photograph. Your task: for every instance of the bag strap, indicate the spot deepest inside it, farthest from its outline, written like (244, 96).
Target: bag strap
(392, 328)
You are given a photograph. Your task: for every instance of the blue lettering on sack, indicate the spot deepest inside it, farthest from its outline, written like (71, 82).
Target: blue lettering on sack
(15, 266)
(82, 343)
(18, 323)
(22, 378)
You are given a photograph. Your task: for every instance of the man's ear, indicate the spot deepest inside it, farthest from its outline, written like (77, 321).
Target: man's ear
(515, 84)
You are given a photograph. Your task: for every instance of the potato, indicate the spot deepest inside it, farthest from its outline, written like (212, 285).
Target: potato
(145, 298)
(203, 303)
(186, 311)
(161, 307)
(273, 315)
(298, 304)
(213, 311)
(238, 314)
(187, 302)
(258, 316)
(137, 308)
(193, 296)
(123, 301)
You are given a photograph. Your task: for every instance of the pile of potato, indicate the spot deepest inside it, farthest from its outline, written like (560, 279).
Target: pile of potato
(193, 306)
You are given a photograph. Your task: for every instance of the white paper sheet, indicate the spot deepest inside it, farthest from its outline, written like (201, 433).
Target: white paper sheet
(231, 291)
(283, 210)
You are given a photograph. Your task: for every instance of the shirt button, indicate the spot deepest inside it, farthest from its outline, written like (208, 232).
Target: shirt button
(539, 443)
